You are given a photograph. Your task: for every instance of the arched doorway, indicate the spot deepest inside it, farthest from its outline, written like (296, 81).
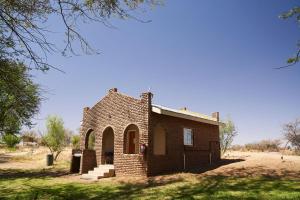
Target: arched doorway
(90, 140)
(88, 157)
(107, 156)
(131, 139)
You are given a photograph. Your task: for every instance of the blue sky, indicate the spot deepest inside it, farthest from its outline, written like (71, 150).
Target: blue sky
(206, 55)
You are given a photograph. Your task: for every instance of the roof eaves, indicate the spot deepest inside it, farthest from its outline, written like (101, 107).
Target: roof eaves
(184, 114)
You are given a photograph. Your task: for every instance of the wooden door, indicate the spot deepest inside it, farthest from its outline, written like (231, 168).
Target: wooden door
(131, 142)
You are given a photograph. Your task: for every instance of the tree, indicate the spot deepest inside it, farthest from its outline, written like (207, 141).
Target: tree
(76, 141)
(291, 132)
(91, 141)
(69, 134)
(292, 13)
(10, 140)
(23, 32)
(24, 43)
(55, 138)
(19, 97)
(227, 133)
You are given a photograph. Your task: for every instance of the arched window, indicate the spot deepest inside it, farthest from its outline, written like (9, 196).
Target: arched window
(159, 141)
(131, 140)
(90, 140)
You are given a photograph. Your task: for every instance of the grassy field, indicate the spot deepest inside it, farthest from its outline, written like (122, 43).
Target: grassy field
(237, 179)
(47, 185)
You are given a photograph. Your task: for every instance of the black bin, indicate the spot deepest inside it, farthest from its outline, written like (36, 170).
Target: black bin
(49, 159)
(75, 163)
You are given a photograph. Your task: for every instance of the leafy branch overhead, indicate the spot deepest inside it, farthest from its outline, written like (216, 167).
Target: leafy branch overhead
(23, 25)
(19, 97)
(292, 13)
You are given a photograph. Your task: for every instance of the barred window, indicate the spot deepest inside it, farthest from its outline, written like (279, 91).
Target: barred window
(187, 136)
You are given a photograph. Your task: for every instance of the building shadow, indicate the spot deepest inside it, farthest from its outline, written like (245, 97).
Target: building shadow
(4, 158)
(17, 173)
(215, 165)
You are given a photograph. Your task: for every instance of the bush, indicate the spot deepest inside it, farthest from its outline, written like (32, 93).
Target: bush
(11, 140)
(30, 136)
(264, 145)
(75, 141)
(237, 147)
(55, 138)
(227, 133)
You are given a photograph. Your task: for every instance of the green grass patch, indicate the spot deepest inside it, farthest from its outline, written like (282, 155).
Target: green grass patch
(48, 185)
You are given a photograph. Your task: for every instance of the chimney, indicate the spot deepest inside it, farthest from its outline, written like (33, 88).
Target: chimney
(147, 97)
(216, 115)
(113, 90)
(85, 111)
(184, 108)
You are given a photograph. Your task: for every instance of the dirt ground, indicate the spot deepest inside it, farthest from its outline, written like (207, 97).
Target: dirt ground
(259, 164)
(28, 158)
(240, 164)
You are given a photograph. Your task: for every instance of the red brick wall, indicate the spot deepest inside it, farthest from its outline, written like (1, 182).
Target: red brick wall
(195, 156)
(88, 160)
(118, 111)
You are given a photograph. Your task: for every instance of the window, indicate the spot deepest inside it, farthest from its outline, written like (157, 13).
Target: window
(187, 136)
(159, 143)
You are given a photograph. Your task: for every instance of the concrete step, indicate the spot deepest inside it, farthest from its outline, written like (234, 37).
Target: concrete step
(102, 171)
(106, 166)
(89, 177)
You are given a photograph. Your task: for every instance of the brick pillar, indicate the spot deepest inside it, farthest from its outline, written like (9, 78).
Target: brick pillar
(216, 115)
(146, 99)
(88, 160)
(113, 90)
(82, 133)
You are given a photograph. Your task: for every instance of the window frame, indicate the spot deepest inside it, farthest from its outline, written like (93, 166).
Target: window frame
(191, 136)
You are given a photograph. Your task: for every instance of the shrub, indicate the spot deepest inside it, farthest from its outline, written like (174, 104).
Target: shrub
(11, 140)
(75, 141)
(292, 133)
(237, 147)
(227, 133)
(55, 138)
(30, 136)
(264, 145)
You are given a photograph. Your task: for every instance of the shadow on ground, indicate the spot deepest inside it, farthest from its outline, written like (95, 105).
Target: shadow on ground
(232, 184)
(4, 158)
(214, 187)
(17, 173)
(215, 165)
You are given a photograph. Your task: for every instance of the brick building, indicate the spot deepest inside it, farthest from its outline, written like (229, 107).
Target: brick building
(140, 138)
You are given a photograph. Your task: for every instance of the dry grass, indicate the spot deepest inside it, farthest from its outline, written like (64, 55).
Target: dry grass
(31, 158)
(241, 175)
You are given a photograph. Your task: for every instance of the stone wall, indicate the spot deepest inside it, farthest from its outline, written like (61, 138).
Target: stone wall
(88, 160)
(118, 111)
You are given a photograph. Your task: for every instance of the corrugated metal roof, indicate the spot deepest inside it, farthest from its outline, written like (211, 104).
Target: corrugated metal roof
(185, 114)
